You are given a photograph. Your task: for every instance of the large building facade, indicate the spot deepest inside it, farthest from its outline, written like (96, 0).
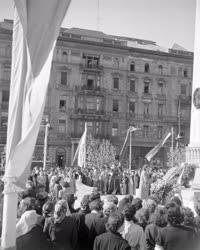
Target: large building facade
(110, 82)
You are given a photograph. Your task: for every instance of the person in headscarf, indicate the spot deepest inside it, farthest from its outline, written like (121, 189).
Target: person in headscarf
(61, 228)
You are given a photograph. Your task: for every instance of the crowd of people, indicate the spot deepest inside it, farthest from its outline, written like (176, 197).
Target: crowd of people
(49, 218)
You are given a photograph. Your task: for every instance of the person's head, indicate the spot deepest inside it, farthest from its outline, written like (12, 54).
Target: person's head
(115, 223)
(26, 204)
(41, 188)
(188, 217)
(111, 198)
(129, 212)
(150, 205)
(137, 202)
(170, 205)
(60, 210)
(142, 216)
(174, 216)
(29, 184)
(95, 196)
(108, 208)
(48, 209)
(96, 205)
(65, 184)
(176, 200)
(71, 199)
(85, 203)
(129, 197)
(159, 218)
(122, 203)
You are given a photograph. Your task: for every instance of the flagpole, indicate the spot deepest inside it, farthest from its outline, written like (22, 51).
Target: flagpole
(85, 146)
(172, 146)
(130, 150)
(45, 144)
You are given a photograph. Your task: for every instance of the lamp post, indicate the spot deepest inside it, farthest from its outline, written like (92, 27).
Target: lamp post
(130, 149)
(47, 126)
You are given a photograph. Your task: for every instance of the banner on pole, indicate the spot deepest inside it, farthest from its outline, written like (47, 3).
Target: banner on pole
(155, 150)
(35, 30)
(81, 150)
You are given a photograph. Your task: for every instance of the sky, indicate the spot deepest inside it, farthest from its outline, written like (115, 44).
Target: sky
(164, 21)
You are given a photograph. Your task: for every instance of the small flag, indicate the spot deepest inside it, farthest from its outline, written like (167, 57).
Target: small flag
(130, 129)
(155, 150)
(81, 149)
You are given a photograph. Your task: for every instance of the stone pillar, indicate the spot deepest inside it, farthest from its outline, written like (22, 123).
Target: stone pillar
(193, 150)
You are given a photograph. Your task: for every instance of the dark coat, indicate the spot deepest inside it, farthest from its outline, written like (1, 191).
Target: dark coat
(81, 229)
(34, 240)
(63, 234)
(95, 225)
(110, 241)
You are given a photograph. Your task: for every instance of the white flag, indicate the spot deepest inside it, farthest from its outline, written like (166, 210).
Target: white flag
(155, 150)
(81, 149)
(35, 30)
(130, 129)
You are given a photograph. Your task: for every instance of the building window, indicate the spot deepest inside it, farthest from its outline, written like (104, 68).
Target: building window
(98, 104)
(132, 85)
(115, 129)
(183, 89)
(132, 67)
(97, 128)
(132, 107)
(62, 105)
(160, 132)
(173, 70)
(90, 104)
(90, 84)
(146, 131)
(90, 127)
(5, 96)
(116, 62)
(62, 126)
(91, 61)
(64, 56)
(98, 81)
(160, 88)
(185, 73)
(63, 80)
(146, 110)
(146, 68)
(116, 83)
(180, 70)
(81, 127)
(146, 87)
(160, 110)
(160, 69)
(115, 106)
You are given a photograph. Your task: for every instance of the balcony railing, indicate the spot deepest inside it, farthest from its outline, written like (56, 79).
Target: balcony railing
(91, 67)
(94, 90)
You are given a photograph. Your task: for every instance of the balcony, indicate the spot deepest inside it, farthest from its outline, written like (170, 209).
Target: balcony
(94, 90)
(161, 97)
(147, 96)
(91, 67)
(88, 114)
